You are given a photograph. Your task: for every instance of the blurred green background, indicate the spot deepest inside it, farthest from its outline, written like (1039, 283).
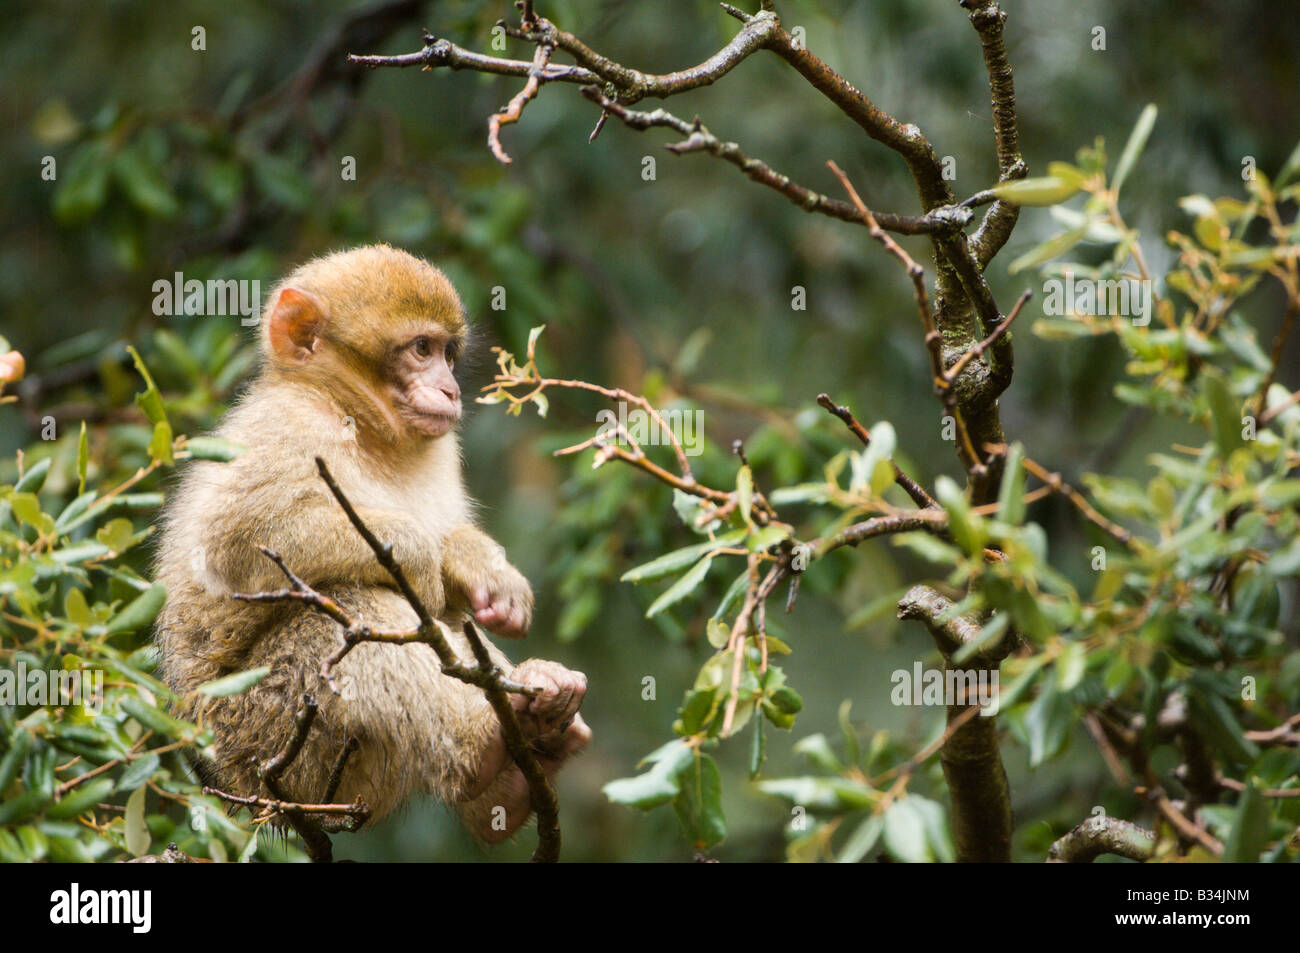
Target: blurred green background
(679, 287)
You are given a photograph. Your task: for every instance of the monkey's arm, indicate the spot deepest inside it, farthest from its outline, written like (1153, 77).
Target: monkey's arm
(478, 578)
(313, 536)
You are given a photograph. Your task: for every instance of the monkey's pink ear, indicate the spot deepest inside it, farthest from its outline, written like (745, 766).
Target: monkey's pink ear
(294, 326)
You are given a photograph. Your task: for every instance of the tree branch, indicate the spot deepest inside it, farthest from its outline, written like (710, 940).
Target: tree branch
(917, 492)
(988, 19)
(1103, 835)
(699, 139)
(972, 761)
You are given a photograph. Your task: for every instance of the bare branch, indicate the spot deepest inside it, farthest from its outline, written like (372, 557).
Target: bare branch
(699, 139)
(444, 53)
(978, 350)
(988, 20)
(1103, 835)
(1076, 498)
(515, 108)
(913, 489)
(929, 520)
(634, 85)
(905, 139)
(358, 811)
(270, 771)
(972, 762)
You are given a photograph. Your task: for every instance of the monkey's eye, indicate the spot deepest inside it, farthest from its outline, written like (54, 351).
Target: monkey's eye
(450, 354)
(423, 347)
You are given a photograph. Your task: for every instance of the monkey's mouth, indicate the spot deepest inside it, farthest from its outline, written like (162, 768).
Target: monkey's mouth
(434, 424)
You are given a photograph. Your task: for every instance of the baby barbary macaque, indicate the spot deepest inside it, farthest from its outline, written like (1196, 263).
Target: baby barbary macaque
(358, 354)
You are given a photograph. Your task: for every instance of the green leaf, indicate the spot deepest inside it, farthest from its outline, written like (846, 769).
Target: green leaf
(159, 721)
(12, 760)
(863, 838)
(1047, 190)
(699, 803)
(657, 786)
(137, 832)
(34, 477)
(1289, 169)
(143, 183)
(150, 401)
(936, 828)
(117, 535)
(872, 467)
(1225, 413)
(83, 458)
(76, 610)
(732, 596)
(718, 633)
(828, 795)
(990, 634)
(670, 563)
(1067, 173)
(85, 184)
(1070, 666)
(1216, 720)
(234, 684)
(967, 527)
(533, 335)
(27, 508)
(766, 537)
(1011, 494)
(80, 799)
(682, 588)
(1137, 141)
(1250, 827)
(817, 749)
(1057, 245)
(140, 611)
(214, 448)
(905, 834)
(138, 772)
(786, 700)
(1047, 723)
(160, 445)
(745, 493)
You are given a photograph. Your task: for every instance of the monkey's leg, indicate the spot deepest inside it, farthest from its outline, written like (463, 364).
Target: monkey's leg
(506, 805)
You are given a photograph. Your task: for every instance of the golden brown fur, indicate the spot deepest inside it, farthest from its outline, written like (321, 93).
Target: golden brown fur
(326, 388)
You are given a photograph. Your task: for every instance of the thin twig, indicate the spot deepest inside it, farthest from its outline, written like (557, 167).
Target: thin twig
(913, 489)
(1080, 503)
(515, 108)
(978, 350)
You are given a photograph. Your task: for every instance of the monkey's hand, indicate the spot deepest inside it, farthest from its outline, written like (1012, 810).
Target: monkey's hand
(549, 720)
(479, 579)
(560, 692)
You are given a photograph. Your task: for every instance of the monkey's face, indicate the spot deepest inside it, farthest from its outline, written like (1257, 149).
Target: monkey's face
(421, 384)
(378, 331)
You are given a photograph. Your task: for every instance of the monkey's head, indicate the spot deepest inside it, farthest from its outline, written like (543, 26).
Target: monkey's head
(377, 331)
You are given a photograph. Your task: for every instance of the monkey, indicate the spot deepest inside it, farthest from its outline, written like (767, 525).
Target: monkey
(357, 357)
